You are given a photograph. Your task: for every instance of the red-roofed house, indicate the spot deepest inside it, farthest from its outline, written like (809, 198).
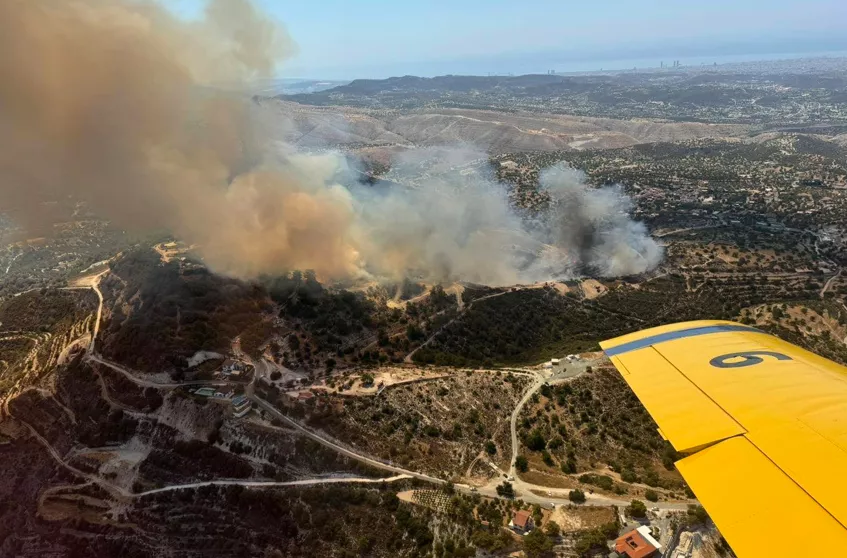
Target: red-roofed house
(637, 544)
(522, 522)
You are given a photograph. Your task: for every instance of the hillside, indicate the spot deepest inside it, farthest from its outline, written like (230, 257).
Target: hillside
(491, 131)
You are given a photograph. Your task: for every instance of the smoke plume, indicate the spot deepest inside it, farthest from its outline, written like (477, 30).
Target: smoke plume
(118, 103)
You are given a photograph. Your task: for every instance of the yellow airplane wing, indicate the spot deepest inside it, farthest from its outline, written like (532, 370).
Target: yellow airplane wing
(764, 422)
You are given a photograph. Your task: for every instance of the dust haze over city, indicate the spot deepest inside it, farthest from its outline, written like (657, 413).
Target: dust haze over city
(333, 280)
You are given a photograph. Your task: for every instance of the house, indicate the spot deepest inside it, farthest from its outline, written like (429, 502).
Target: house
(305, 396)
(555, 361)
(231, 366)
(638, 543)
(522, 522)
(241, 405)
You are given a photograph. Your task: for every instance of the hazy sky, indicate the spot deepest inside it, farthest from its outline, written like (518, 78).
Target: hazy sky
(377, 38)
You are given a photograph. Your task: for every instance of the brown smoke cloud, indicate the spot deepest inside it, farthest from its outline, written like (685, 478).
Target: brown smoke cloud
(112, 101)
(144, 116)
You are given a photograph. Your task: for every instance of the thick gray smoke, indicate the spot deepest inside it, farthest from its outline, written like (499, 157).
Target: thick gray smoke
(594, 227)
(118, 103)
(462, 227)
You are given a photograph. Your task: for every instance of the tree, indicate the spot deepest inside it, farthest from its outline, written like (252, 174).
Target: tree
(536, 544)
(651, 495)
(413, 333)
(536, 441)
(276, 375)
(367, 379)
(590, 541)
(506, 490)
(576, 496)
(697, 515)
(552, 529)
(431, 430)
(537, 514)
(636, 509)
(628, 475)
(521, 464)
(490, 448)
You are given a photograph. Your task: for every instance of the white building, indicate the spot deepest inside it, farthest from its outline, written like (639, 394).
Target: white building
(644, 531)
(241, 406)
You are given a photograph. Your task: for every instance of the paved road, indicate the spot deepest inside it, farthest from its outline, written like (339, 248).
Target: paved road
(829, 282)
(163, 385)
(129, 375)
(93, 283)
(570, 370)
(408, 359)
(513, 425)
(96, 286)
(341, 449)
(677, 231)
(116, 490)
(272, 484)
(104, 392)
(560, 497)
(119, 491)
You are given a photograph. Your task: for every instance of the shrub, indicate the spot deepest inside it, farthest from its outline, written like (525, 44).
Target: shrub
(576, 496)
(536, 441)
(505, 490)
(521, 464)
(636, 509)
